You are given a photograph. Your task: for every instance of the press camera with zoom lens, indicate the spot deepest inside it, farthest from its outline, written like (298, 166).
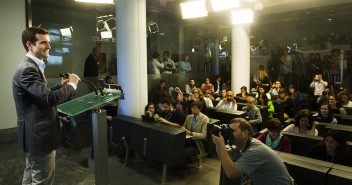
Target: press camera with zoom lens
(224, 130)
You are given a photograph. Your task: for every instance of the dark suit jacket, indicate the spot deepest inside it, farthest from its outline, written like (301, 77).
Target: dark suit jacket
(35, 100)
(90, 66)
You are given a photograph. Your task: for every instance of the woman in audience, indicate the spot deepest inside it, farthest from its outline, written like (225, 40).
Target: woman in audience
(150, 111)
(325, 114)
(333, 149)
(243, 94)
(263, 100)
(208, 88)
(303, 124)
(223, 95)
(274, 139)
(180, 104)
(335, 106)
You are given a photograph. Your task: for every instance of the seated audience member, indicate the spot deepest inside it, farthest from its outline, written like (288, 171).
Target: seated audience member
(208, 88)
(325, 114)
(282, 96)
(195, 125)
(288, 106)
(223, 95)
(343, 99)
(208, 99)
(261, 90)
(333, 149)
(180, 103)
(197, 96)
(253, 114)
(171, 116)
(159, 93)
(228, 103)
(254, 162)
(185, 65)
(296, 99)
(274, 91)
(190, 86)
(243, 94)
(324, 97)
(150, 111)
(254, 89)
(303, 124)
(274, 139)
(263, 100)
(217, 86)
(335, 105)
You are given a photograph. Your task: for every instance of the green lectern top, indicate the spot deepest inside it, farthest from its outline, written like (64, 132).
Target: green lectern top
(88, 102)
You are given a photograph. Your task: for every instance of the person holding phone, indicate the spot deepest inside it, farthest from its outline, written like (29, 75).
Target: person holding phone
(228, 103)
(318, 84)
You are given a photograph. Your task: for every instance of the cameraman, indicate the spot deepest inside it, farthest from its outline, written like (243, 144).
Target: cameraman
(260, 164)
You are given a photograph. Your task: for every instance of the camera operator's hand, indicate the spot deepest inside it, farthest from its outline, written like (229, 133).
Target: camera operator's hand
(218, 141)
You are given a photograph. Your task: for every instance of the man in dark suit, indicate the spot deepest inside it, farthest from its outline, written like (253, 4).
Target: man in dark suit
(91, 64)
(37, 120)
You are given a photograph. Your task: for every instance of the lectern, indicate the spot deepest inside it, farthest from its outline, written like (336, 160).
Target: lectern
(94, 102)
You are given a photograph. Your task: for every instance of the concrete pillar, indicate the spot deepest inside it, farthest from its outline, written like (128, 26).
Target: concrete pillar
(240, 57)
(131, 44)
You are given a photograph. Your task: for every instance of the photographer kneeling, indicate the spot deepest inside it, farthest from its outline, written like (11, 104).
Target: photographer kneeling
(260, 164)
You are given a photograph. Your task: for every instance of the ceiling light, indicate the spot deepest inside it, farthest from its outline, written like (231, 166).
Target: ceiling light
(96, 1)
(106, 34)
(219, 5)
(242, 16)
(66, 31)
(193, 9)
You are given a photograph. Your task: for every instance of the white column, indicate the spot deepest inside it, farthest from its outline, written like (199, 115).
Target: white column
(240, 57)
(131, 47)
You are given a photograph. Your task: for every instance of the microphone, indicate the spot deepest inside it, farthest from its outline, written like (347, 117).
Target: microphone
(91, 83)
(100, 89)
(94, 84)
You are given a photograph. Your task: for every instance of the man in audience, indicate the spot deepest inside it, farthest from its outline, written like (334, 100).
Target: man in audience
(171, 116)
(169, 64)
(158, 93)
(253, 114)
(190, 86)
(228, 103)
(318, 85)
(260, 164)
(155, 64)
(217, 87)
(274, 91)
(195, 127)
